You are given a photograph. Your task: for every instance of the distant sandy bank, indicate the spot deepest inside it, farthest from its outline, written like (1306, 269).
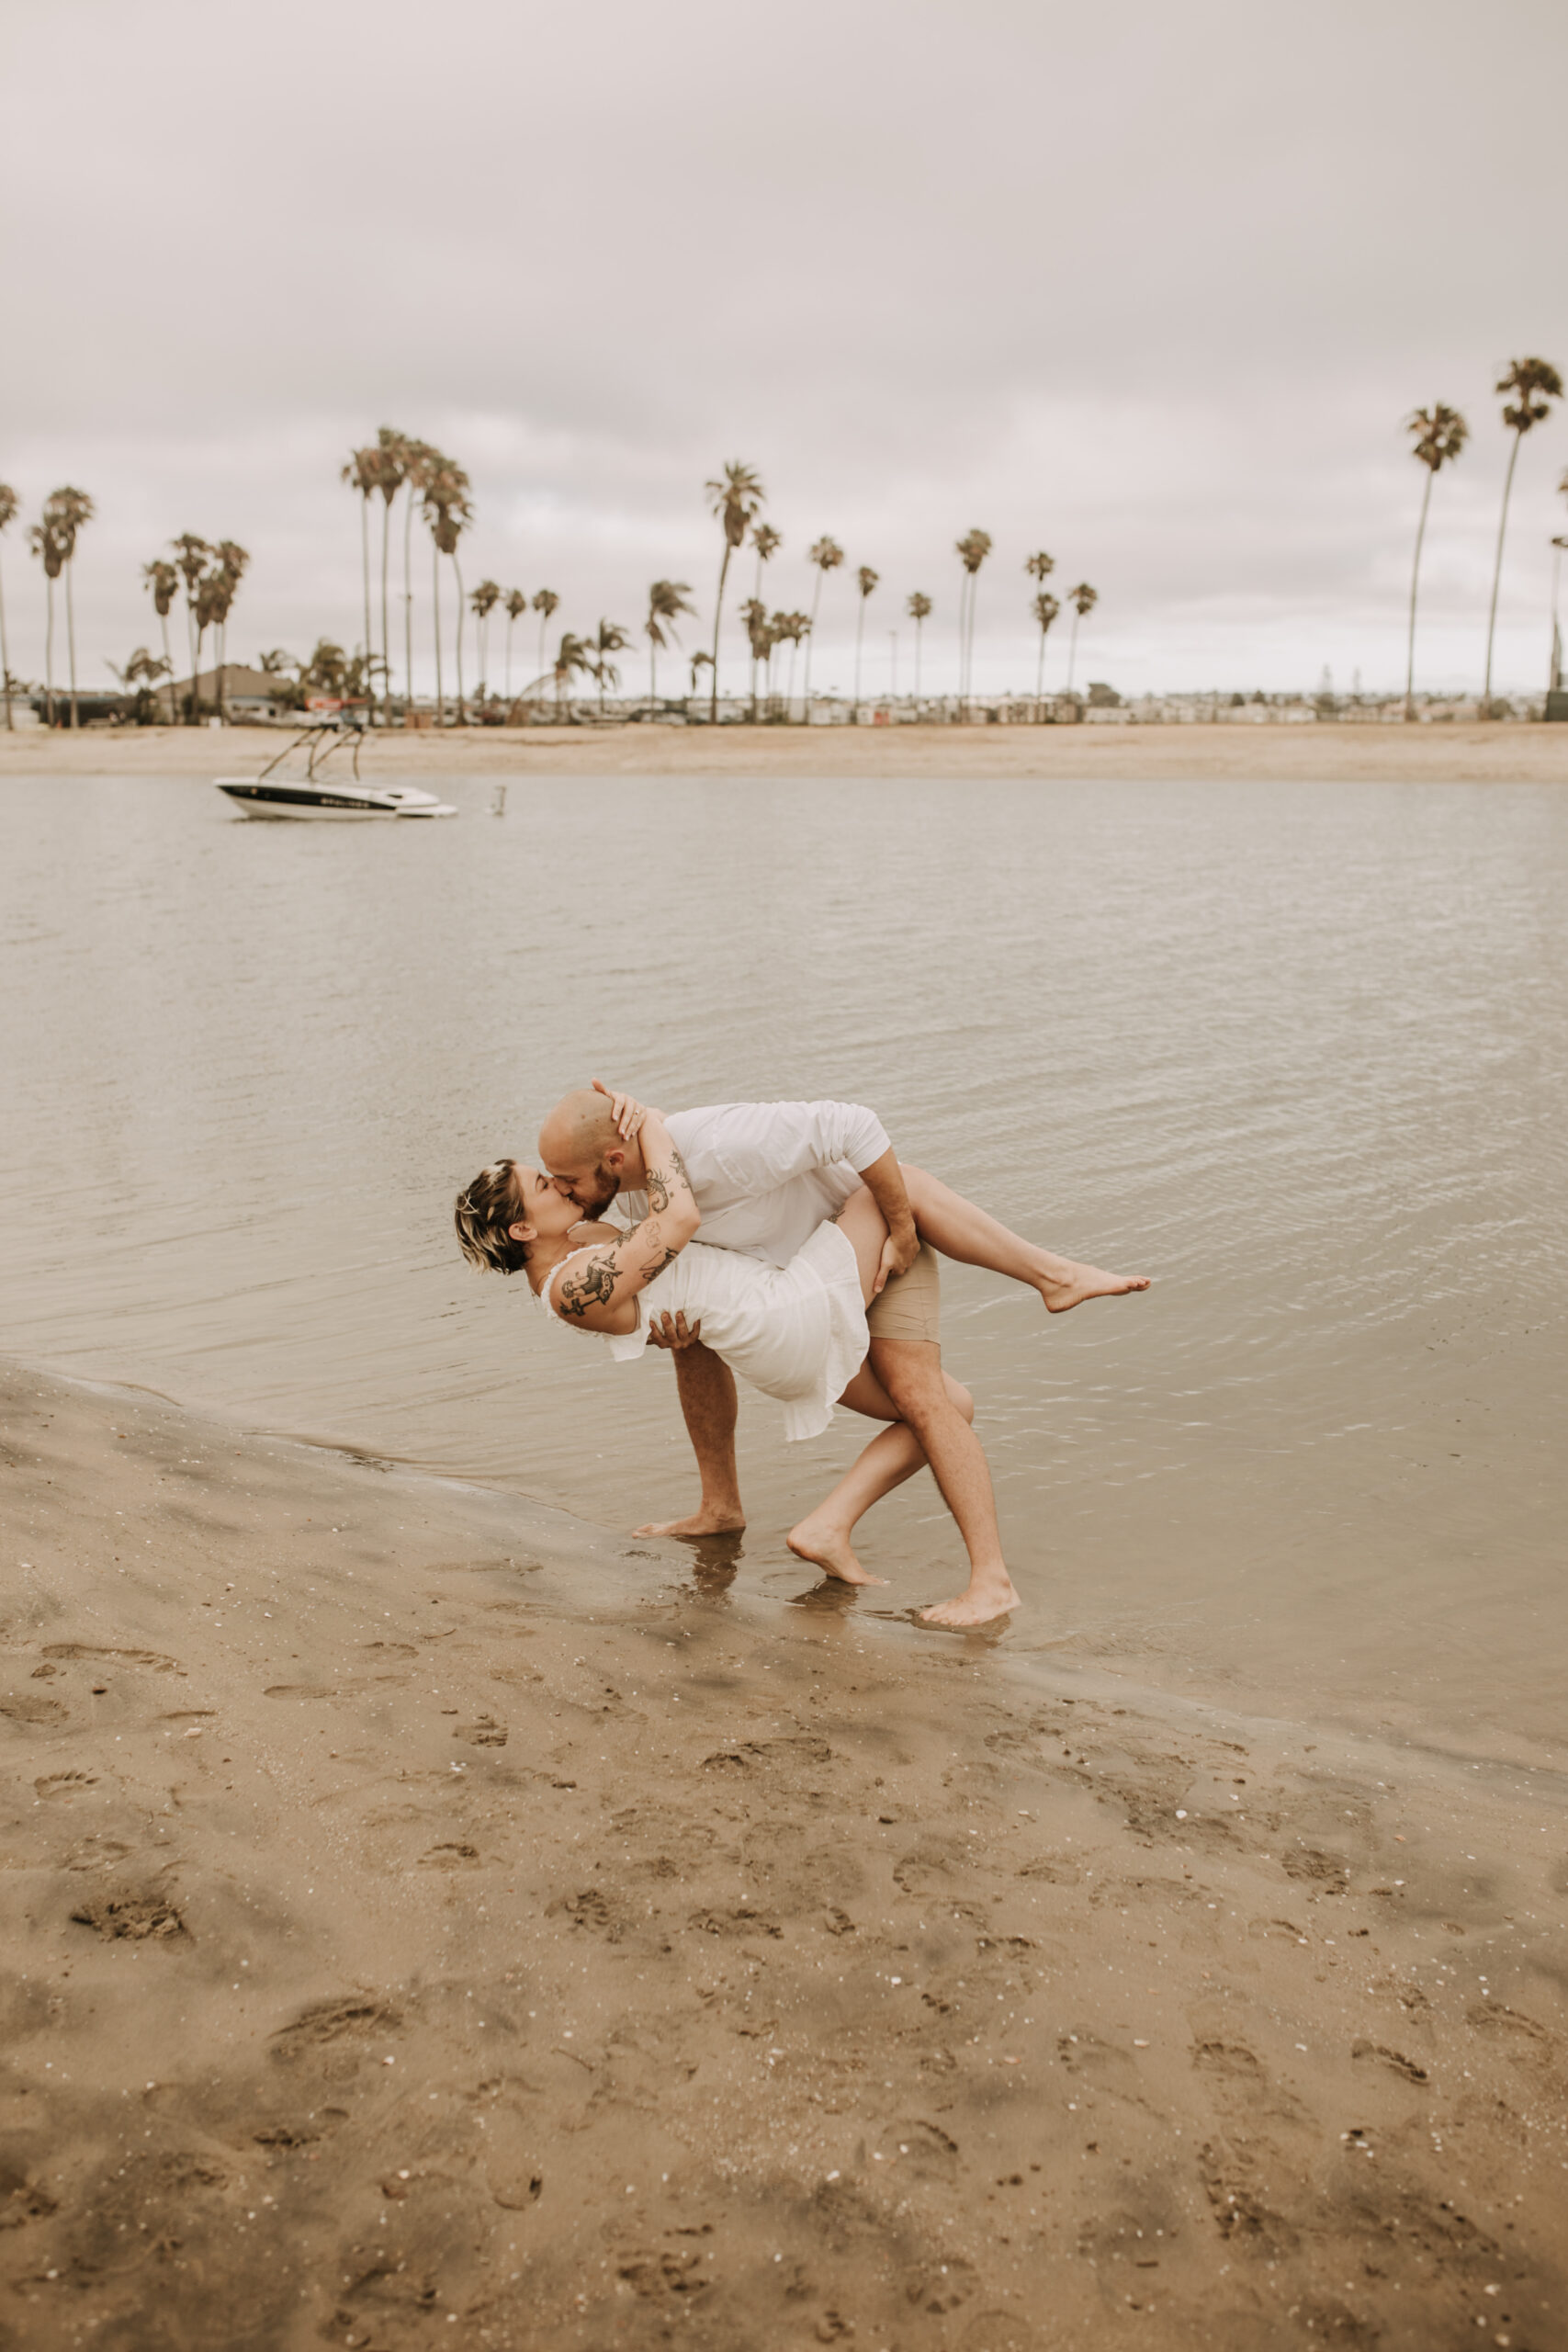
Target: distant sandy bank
(420, 1908)
(1501, 753)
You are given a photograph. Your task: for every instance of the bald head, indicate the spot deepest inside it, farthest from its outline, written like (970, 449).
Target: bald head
(579, 1129)
(579, 1147)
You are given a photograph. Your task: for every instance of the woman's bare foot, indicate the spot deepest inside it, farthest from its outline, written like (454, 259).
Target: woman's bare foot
(829, 1549)
(701, 1523)
(1075, 1284)
(990, 1593)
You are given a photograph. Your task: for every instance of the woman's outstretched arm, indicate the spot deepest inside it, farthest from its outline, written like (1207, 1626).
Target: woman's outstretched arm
(595, 1290)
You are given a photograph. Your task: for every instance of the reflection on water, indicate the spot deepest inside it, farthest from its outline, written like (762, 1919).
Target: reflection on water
(1296, 1053)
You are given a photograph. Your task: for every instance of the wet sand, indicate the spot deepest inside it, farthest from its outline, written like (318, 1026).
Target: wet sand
(1336, 752)
(426, 1913)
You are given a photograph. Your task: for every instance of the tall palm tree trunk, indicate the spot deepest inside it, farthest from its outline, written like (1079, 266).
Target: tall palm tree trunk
(917, 628)
(860, 639)
(462, 714)
(72, 639)
(652, 671)
(435, 588)
(540, 671)
(1073, 650)
(1414, 577)
(364, 568)
(5, 664)
(49, 656)
(963, 587)
(408, 598)
(386, 662)
(168, 661)
(193, 648)
(1040, 671)
(1497, 573)
(509, 661)
(811, 637)
(718, 623)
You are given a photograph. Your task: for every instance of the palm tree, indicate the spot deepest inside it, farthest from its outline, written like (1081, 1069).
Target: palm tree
(481, 603)
(1083, 600)
(573, 656)
(1557, 545)
(767, 543)
(447, 511)
(754, 619)
(67, 510)
(545, 602)
(734, 497)
(163, 582)
(666, 603)
(392, 449)
(1046, 609)
(611, 639)
(139, 677)
(190, 563)
(972, 550)
(363, 473)
(866, 580)
(419, 462)
(9, 507)
(516, 605)
(1535, 384)
(1440, 434)
(827, 555)
(44, 542)
(1040, 566)
(233, 562)
(700, 661)
(920, 611)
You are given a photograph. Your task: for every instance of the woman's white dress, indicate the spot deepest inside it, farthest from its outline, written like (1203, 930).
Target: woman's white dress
(797, 1332)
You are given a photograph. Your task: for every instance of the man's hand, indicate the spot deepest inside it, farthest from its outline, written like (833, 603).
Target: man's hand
(884, 1179)
(627, 1112)
(900, 1252)
(670, 1331)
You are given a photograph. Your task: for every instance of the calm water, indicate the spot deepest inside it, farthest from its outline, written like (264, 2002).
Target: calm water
(1296, 1052)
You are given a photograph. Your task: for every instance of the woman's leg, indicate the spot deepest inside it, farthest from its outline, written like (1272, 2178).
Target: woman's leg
(960, 1230)
(893, 1456)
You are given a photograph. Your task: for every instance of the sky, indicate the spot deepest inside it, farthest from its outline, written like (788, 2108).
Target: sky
(1152, 289)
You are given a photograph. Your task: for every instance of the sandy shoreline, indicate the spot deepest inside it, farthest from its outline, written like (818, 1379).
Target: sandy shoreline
(1339, 752)
(421, 1904)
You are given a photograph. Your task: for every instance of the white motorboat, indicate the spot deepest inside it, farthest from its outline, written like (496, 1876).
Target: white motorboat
(315, 795)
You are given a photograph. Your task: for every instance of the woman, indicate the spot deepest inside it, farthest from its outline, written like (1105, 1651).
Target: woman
(797, 1332)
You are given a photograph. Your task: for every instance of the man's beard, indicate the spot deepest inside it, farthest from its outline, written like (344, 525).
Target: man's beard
(601, 1192)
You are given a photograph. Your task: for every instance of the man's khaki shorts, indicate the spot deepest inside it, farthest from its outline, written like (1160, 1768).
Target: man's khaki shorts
(909, 1306)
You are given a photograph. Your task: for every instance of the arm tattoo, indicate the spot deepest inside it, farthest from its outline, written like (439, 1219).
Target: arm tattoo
(653, 1267)
(591, 1287)
(658, 1190)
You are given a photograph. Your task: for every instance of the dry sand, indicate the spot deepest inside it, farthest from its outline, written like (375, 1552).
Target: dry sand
(1437, 754)
(428, 1920)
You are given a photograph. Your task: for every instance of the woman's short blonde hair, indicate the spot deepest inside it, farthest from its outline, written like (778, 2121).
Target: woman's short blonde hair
(485, 1212)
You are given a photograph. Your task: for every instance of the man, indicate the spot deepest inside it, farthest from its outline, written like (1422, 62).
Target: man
(765, 1175)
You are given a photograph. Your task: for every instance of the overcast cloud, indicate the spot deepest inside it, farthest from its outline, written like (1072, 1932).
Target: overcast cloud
(1151, 287)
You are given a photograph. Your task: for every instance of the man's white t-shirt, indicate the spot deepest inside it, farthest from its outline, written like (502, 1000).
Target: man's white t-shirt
(765, 1175)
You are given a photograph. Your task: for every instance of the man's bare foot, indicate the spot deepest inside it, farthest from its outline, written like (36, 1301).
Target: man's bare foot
(990, 1593)
(831, 1551)
(1075, 1284)
(701, 1523)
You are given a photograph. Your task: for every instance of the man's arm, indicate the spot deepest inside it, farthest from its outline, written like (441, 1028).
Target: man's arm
(884, 1179)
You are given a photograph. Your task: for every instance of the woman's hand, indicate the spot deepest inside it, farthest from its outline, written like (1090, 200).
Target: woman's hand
(627, 1112)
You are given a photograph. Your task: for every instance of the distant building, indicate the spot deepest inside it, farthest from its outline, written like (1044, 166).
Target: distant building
(247, 694)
